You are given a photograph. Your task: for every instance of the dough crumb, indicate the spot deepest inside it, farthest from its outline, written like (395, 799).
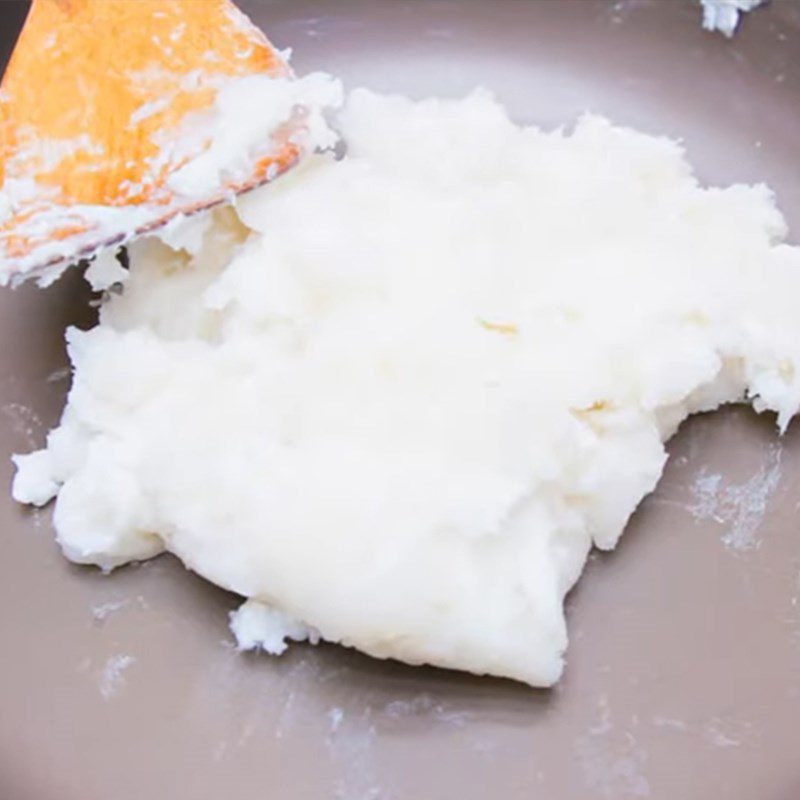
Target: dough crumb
(723, 15)
(258, 626)
(33, 481)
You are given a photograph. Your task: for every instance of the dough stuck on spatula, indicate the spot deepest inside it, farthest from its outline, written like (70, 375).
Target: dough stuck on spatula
(117, 116)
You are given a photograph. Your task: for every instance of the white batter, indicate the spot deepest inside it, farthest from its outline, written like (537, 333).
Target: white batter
(395, 399)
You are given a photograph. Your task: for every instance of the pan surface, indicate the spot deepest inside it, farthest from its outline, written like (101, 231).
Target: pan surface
(683, 675)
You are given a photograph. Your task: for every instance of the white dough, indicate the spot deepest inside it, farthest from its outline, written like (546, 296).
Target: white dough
(723, 15)
(258, 626)
(105, 271)
(396, 398)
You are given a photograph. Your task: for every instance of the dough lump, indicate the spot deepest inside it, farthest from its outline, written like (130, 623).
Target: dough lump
(394, 399)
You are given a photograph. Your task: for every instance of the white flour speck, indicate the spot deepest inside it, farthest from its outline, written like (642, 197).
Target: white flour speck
(112, 678)
(103, 610)
(610, 758)
(728, 732)
(58, 375)
(740, 507)
(670, 723)
(335, 715)
(352, 753)
(248, 729)
(406, 708)
(219, 750)
(792, 618)
(704, 490)
(720, 739)
(285, 719)
(423, 705)
(24, 422)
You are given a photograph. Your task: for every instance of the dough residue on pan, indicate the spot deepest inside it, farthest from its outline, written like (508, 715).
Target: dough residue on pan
(394, 399)
(723, 15)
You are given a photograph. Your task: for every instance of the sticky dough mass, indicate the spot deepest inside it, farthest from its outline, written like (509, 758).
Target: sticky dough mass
(395, 399)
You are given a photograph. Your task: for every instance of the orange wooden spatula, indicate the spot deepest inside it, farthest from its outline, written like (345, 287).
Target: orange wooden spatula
(94, 107)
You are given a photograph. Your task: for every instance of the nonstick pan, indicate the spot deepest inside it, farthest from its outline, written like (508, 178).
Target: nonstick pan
(683, 673)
